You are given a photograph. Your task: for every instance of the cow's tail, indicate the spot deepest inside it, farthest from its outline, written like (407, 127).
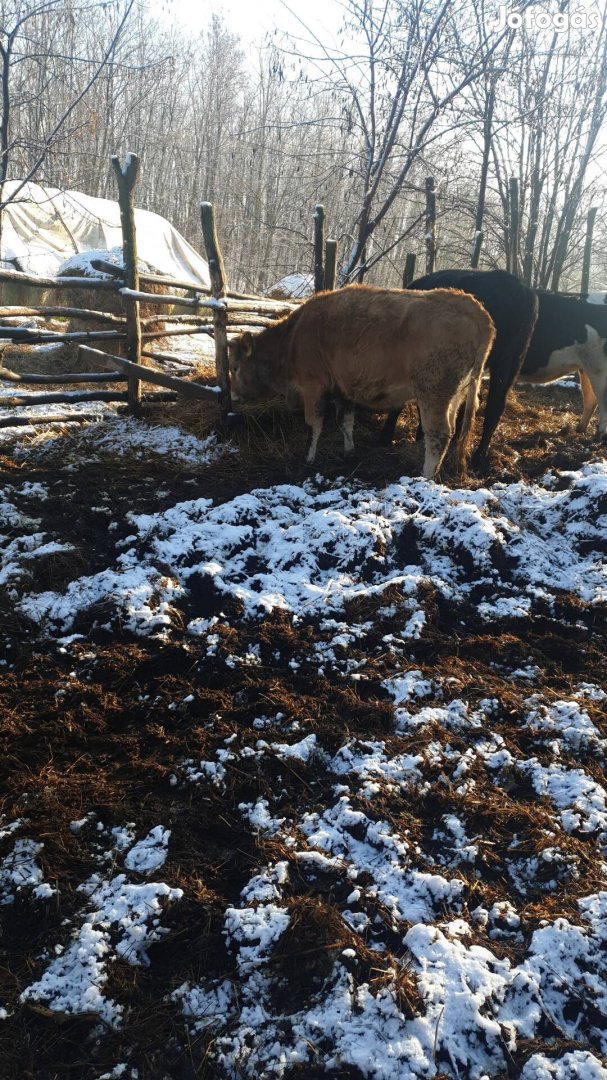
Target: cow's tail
(487, 337)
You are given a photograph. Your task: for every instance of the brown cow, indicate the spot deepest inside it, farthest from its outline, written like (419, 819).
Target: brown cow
(378, 348)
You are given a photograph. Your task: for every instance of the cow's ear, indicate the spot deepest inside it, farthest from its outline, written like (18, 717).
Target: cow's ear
(246, 344)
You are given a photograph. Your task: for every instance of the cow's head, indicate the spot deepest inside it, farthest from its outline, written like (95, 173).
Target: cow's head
(242, 368)
(252, 377)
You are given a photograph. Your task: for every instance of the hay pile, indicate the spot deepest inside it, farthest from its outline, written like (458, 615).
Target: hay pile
(96, 299)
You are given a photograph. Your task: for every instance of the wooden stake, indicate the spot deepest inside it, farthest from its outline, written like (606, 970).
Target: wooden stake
(220, 315)
(409, 271)
(330, 264)
(319, 247)
(126, 179)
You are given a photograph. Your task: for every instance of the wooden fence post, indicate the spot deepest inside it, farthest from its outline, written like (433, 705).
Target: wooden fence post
(430, 225)
(126, 179)
(409, 271)
(587, 252)
(330, 264)
(220, 315)
(319, 247)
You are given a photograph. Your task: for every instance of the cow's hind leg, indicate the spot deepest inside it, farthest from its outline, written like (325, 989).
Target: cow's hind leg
(590, 402)
(504, 365)
(438, 426)
(388, 431)
(344, 411)
(600, 389)
(315, 407)
(500, 384)
(386, 435)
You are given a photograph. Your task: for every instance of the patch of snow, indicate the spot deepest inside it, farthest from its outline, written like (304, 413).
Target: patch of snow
(577, 795)
(150, 853)
(19, 870)
(130, 438)
(574, 1065)
(371, 846)
(123, 920)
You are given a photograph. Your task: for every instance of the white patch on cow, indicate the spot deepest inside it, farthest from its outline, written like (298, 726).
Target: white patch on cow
(588, 357)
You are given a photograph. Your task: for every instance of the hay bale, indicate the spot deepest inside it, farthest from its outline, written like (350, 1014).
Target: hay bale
(15, 294)
(80, 265)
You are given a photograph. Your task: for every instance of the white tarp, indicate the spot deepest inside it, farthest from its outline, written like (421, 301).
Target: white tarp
(44, 226)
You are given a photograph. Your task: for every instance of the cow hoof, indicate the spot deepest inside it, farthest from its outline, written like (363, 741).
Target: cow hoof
(385, 439)
(479, 464)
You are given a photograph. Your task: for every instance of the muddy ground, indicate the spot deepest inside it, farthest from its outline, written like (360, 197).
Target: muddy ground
(95, 727)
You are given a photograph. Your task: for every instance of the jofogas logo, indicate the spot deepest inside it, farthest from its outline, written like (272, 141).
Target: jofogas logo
(536, 18)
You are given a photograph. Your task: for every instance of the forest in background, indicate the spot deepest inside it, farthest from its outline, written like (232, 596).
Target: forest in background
(414, 88)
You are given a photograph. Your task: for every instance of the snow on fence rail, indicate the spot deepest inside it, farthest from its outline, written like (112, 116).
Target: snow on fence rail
(215, 312)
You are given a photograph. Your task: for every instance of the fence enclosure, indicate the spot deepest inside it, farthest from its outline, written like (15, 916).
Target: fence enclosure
(214, 312)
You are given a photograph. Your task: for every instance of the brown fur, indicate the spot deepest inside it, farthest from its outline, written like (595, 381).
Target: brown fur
(378, 348)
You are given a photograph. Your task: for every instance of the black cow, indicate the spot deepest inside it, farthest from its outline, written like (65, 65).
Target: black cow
(571, 335)
(513, 308)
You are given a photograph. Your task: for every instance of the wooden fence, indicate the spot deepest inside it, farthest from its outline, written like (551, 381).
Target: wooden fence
(216, 312)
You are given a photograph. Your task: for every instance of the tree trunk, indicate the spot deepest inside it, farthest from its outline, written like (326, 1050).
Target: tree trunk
(587, 252)
(430, 225)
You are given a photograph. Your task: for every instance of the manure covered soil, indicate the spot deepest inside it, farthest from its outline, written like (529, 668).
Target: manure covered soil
(302, 775)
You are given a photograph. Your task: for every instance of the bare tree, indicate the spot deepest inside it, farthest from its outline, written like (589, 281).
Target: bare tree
(400, 76)
(414, 88)
(550, 110)
(38, 52)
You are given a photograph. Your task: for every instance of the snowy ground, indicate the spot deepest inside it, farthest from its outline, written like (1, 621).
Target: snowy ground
(362, 730)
